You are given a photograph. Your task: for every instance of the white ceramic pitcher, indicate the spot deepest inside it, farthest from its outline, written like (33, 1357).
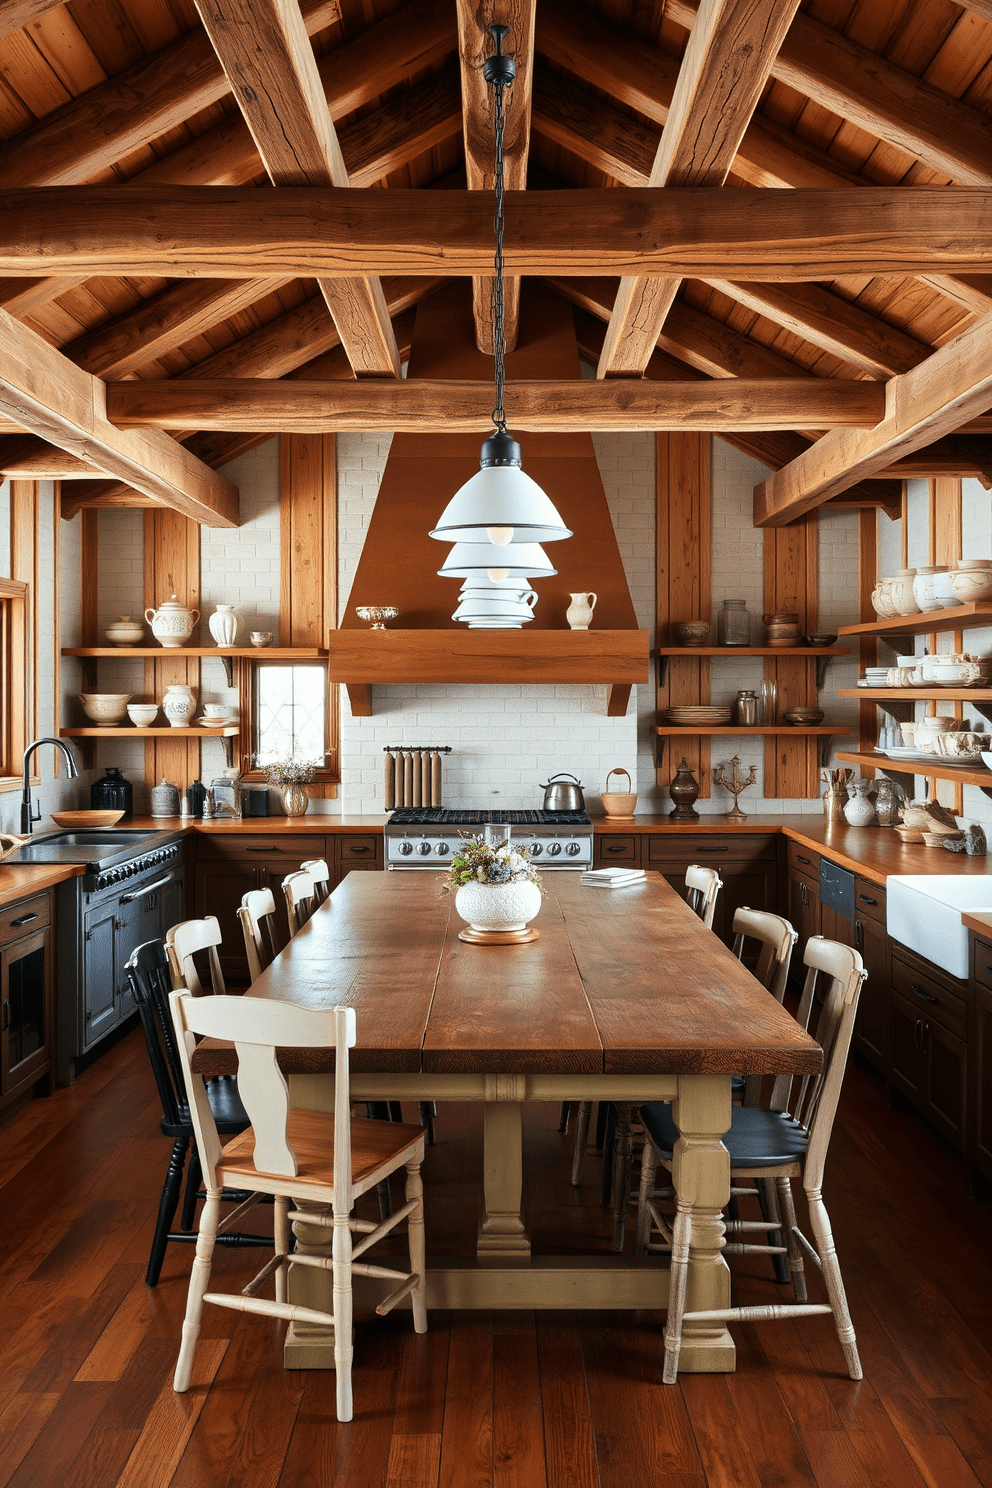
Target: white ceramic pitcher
(579, 612)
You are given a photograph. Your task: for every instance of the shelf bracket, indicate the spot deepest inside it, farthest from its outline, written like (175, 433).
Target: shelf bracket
(662, 671)
(228, 742)
(659, 751)
(229, 670)
(826, 742)
(986, 790)
(822, 662)
(984, 708)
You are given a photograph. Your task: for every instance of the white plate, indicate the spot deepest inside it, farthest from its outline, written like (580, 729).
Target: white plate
(215, 722)
(913, 756)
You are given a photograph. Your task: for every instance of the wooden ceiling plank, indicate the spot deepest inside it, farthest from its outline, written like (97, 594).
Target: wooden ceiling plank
(50, 396)
(414, 405)
(475, 44)
(981, 8)
(731, 48)
(16, 14)
(925, 404)
(749, 234)
(879, 97)
(265, 52)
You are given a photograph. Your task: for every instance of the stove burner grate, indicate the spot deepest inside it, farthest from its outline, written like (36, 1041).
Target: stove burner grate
(440, 816)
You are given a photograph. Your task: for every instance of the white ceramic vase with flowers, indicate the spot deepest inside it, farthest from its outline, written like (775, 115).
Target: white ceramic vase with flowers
(497, 889)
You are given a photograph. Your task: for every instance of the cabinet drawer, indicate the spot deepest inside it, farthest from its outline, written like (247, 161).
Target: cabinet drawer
(286, 848)
(614, 847)
(709, 848)
(929, 996)
(869, 900)
(805, 859)
(358, 849)
(24, 918)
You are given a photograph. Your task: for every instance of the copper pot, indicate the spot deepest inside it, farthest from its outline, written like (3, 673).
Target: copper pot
(783, 629)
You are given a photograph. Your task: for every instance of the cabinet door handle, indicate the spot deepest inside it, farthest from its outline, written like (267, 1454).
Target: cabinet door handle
(24, 919)
(859, 933)
(263, 849)
(616, 849)
(926, 996)
(865, 899)
(801, 859)
(368, 849)
(803, 895)
(918, 1033)
(6, 1016)
(926, 1039)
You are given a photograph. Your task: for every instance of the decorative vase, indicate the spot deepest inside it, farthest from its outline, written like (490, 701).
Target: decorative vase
(114, 792)
(684, 791)
(172, 623)
(889, 801)
(179, 705)
(579, 612)
(859, 811)
(294, 799)
(500, 908)
(125, 631)
(223, 625)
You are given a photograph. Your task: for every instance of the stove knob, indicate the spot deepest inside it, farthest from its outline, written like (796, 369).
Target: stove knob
(442, 849)
(423, 849)
(554, 848)
(573, 849)
(535, 849)
(406, 848)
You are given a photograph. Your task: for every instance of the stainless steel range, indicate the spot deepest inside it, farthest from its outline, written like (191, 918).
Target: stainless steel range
(427, 836)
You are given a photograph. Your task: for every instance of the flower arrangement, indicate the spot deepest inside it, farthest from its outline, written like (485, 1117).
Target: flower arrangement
(479, 861)
(292, 771)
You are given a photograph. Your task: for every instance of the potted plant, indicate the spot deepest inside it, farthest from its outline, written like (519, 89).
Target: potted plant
(290, 776)
(497, 890)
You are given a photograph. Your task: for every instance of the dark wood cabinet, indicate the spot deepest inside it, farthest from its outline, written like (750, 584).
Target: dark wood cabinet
(747, 864)
(27, 1006)
(803, 913)
(979, 1148)
(356, 851)
(873, 1027)
(929, 1017)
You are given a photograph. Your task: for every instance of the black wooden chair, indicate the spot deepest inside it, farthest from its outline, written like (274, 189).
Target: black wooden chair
(150, 982)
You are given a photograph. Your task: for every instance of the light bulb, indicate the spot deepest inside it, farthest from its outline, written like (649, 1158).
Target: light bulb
(499, 536)
(497, 575)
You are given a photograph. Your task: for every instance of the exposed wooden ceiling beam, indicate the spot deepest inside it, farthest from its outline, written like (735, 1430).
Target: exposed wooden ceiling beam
(53, 398)
(412, 406)
(16, 14)
(321, 231)
(956, 454)
(265, 51)
(475, 44)
(951, 386)
(979, 7)
(730, 51)
(28, 458)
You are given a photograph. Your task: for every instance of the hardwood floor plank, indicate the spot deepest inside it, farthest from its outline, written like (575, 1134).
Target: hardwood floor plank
(414, 1461)
(170, 1422)
(518, 1426)
(569, 1442)
(720, 1440)
(57, 1445)
(467, 1445)
(117, 1429)
(22, 1420)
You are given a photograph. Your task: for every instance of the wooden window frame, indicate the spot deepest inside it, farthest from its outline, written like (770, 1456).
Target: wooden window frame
(15, 673)
(326, 780)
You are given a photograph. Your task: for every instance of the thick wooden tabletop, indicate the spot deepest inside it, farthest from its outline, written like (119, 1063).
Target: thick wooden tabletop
(624, 981)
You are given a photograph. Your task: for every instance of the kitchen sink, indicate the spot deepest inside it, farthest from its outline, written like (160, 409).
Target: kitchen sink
(924, 913)
(96, 848)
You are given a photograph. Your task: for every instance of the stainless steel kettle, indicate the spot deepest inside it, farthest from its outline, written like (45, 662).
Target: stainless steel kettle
(558, 796)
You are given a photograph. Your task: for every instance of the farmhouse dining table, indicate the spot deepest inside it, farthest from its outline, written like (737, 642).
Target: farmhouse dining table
(624, 996)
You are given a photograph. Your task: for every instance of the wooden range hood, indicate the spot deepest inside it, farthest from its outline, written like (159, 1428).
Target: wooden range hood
(399, 561)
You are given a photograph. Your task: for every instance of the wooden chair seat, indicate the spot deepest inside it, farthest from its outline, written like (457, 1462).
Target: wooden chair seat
(376, 1147)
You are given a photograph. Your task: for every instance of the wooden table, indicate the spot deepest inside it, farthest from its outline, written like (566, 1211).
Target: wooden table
(625, 996)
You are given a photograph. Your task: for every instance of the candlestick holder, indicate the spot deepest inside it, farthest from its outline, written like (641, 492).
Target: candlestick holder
(735, 785)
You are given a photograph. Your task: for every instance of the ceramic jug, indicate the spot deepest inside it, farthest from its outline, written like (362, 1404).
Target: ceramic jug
(579, 612)
(179, 705)
(172, 623)
(223, 625)
(859, 811)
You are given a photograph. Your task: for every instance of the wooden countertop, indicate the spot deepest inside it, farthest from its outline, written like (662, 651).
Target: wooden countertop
(979, 923)
(17, 880)
(256, 826)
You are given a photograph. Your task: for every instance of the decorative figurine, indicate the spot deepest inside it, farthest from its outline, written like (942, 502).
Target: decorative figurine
(974, 842)
(684, 791)
(735, 785)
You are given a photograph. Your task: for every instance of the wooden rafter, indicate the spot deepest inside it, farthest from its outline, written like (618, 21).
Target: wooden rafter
(15, 14)
(932, 400)
(474, 45)
(266, 54)
(323, 232)
(731, 49)
(66, 406)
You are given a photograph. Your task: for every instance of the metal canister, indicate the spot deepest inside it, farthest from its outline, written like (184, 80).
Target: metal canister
(747, 708)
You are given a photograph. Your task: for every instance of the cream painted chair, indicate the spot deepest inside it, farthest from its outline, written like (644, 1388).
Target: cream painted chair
(301, 899)
(788, 1139)
(321, 874)
(257, 914)
(704, 884)
(187, 940)
(310, 1157)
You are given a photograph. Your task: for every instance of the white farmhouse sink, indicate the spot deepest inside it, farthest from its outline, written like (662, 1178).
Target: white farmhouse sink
(924, 913)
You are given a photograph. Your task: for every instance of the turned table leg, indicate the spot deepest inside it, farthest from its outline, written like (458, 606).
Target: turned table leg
(701, 1174)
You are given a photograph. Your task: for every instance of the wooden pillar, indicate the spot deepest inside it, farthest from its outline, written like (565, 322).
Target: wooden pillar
(791, 580)
(172, 565)
(24, 566)
(867, 579)
(945, 540)
(683, 548)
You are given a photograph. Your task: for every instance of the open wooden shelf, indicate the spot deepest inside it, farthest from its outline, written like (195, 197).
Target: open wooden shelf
(261, 653)
(690, 651)
(966, 775)
(963, 617)
(799, 730)
(133, 732)
(918, 694)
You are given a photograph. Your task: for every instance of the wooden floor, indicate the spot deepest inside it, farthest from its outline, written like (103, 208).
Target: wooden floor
(516, 1400)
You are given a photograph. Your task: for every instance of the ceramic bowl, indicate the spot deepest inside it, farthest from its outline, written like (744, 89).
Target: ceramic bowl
(908, 731)
(819, 640)
(958, 673)
(216, 710)
(261, 638)
(142, 715)
(923, 590)
(943, 591)
(906, 661)
(692, 632)
(903, 599)
(987, 758)
(105, 709)
(803, 715)
(972, 584)
(959, 746)
(881, 599)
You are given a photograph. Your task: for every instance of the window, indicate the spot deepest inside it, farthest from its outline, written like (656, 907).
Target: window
(291, 714)
(14, 674)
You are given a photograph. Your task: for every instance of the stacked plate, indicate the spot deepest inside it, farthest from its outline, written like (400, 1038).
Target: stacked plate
(698, 713)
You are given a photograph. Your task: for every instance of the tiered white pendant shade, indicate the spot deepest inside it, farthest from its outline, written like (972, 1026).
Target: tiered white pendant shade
(486, 563)
(503, 505)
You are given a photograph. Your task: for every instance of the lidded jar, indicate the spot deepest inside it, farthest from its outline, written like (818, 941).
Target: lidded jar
(733, 624)
(172, 623)
(125, 631)
(113, 792)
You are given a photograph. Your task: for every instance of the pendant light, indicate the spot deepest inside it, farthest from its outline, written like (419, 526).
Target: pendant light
(500, 504)
(489, 563)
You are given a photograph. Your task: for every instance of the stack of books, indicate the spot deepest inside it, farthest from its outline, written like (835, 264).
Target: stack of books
(612, 878)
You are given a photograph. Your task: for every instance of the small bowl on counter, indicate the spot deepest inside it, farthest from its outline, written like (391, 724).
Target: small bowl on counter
(86, 821)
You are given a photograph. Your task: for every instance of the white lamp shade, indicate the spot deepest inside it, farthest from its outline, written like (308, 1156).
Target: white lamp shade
(478, 560)
(500, 497)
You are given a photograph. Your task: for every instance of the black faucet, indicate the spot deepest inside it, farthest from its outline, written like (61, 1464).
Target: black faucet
(28, 814)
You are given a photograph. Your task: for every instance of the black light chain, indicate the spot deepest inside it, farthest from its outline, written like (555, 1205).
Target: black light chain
(497, 307)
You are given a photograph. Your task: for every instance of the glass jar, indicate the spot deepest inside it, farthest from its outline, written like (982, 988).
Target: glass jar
(733, 624)
(768, 707)
(113, 793)
(747, 709)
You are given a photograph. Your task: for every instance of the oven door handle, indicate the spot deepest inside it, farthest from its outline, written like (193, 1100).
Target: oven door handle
(159, 883)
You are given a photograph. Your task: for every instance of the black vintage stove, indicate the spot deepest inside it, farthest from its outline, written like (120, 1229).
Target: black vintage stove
(427, 836)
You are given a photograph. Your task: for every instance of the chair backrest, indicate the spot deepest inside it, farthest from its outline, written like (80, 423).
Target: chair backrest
(812, 1099)
(185, 941)
(704, 884)
(257, 914)
(321, 875)
(258, 1026)
(150, 981)
(300, 899)
(776, 937)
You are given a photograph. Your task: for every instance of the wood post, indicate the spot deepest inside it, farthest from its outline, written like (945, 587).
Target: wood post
(683, 543)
